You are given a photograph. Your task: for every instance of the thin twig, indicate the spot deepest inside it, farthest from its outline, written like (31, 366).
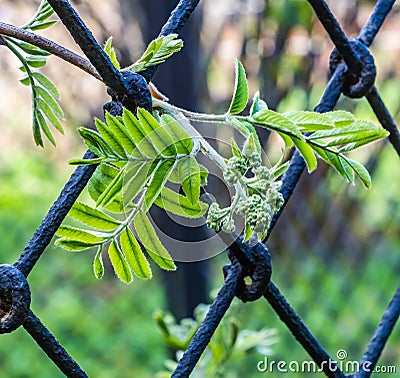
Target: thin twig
(49, 46)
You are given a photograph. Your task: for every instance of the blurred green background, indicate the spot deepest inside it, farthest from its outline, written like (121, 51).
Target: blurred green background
(335, 251)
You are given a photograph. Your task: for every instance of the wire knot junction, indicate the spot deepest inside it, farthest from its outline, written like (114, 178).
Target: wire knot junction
(139, 94)
(15, 298)
(356, 85)
(258, 269)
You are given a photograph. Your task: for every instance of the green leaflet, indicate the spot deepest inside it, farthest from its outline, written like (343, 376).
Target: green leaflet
(110, 51)
(112, 191)
(277, 122)
(113, 143)
(310, 121)
(280, 170)
(307, 153)
(245, 128)
(42, 14)
(119, 263)
(96, 143)
(41, 124)
(120, 133)
(32, 49)
(138, 134)
(156, 135)
(347, 169)
(36, 61)
(135, 180)
(357, 144)
(258, 104)
(49, 113)
(46, 83)
(248, 232)
(180, 205)
(189, 170)
(36, 127)
(43, 25)
(183, 142)
(340, 117)
(134, 255)
(49, 99)
(176, 177)
(358, 128)
(77, 234)
(98, 266)
(337, 161)
(93, 217)
(157, 51)
(160, 176)
(241, 90)
(73, 245)
(235, 148)
(361, 172)
(151, 242)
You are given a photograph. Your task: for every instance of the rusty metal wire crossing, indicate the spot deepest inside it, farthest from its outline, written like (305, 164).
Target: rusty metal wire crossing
(352, 74)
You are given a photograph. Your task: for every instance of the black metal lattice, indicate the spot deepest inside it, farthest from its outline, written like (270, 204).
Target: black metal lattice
(352, 73)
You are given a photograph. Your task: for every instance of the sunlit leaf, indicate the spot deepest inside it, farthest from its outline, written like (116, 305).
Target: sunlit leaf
(157, 52)
(119, 263)
(241, 90)
(135, 180)
(310, 121)
(120, 133)
(258, 104)
(190, 173)
(98, 266)
(110, 138)
(183, 142)
(110, 51)
(361, 172)
(113, 189)
(93, 217)
(159, 178)
(277, 122)
(180, 205)
(73, 245)
(307, 153)
(151, 242)
(79, 234)
(134, 255)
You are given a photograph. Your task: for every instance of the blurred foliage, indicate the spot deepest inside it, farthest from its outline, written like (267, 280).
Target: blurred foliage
(229, 342)
(334, 251)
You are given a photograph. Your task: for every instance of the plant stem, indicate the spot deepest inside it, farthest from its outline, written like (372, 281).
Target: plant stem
(50, 46)
(191, 115)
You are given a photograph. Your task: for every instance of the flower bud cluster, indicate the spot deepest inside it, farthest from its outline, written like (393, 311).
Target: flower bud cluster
(238, 166)
(235, 169)
(218, 218)
(262, 201)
